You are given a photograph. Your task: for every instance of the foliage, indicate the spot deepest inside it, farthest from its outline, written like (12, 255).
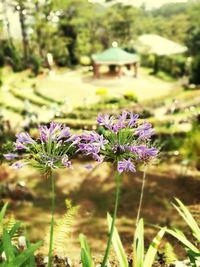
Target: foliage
(14, 254)
(46, 97)
(191, 146)
(191, 249)
(36, 64)
(169, 253)
(139, 259)
(63, 228)
(33, 99)
(86, 256)
(102, 92)
(195, 70)
(130, 95)
(169, 67)
(70, 31)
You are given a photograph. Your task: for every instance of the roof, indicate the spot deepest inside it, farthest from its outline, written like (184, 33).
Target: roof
(115, 55)
(155, 44)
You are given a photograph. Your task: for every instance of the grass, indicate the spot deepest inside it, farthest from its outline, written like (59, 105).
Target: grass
(29, 95)
(165, 77)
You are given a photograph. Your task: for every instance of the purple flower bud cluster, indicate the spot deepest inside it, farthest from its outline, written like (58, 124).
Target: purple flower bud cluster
(91, 143)
(125, 142)
(55, 132)
(53, 149)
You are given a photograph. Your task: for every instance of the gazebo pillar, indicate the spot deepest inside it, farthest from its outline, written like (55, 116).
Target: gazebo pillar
(135, 66)
(96, 68)
(119, 72)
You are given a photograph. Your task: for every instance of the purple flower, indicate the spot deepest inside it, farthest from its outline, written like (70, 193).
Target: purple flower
(19, 146)
(144, 153)
(118, 125)
(18, 165)
(105, 120)
(99, 140)
(10, 156)
(145, 131)
(54, 133)
(54, 130)
(133, 119)
(123, 116)
(66, 162)
(64, 133)
(43, 130)
(125, 165)
(98, 158)
(24, 138)
(94, 138)
(89, 148)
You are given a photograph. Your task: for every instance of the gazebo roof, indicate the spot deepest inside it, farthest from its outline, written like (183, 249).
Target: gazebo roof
(155, 44)
(115, 56)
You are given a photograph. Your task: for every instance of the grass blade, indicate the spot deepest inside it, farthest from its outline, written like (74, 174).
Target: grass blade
(8, 247)
(21, 258)
(117, 244)
(2, 212)
(187, 216)
(86, 256)
(153, 248)
(181, 237)
(138, 246)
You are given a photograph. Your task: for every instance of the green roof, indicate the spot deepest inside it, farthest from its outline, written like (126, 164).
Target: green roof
(115, 55)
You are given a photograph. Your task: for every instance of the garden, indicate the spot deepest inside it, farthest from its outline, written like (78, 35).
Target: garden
(99, 161)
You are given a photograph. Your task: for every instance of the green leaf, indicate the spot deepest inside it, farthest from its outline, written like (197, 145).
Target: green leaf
(182, 238)
(2, 212)
(14, 229)
(21, 258)
(192, 259)
(30, 262)
(187, 216)
(86, 256)
(85, 259)
(153, 248)
(138, 249)
(8, 247)
(117, 244)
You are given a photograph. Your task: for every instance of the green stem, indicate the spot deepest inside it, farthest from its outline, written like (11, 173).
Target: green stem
(52, 220)
(118, 183)
(141, 195)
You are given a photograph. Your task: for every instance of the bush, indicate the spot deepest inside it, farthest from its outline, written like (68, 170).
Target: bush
(1, 81)
(130, 95)
(195, 71)
(174, 66)
(102, 91)
(13, 58)
(36, 64)
(191, 146)
(85, 60)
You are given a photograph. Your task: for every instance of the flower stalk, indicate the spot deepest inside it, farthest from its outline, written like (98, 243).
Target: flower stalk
(141, 195)
(52, 219)
(118, 184)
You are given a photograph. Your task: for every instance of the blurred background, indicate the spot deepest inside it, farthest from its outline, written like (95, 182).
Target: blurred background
(69, 60)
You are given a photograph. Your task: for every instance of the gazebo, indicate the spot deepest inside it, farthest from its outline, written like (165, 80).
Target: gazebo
(115, 58)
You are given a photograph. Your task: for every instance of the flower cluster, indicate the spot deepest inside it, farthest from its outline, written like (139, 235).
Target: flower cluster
(125, 141)
(53, 149)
